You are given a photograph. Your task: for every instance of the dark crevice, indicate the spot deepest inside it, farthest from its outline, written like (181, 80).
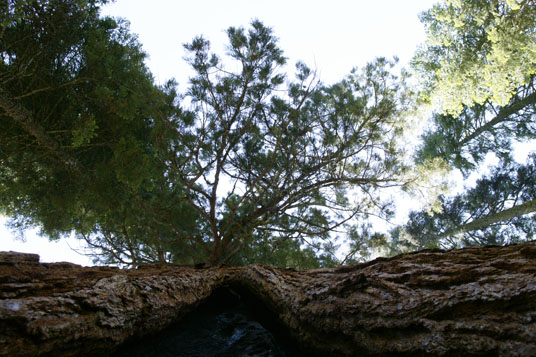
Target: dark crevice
(231, 322)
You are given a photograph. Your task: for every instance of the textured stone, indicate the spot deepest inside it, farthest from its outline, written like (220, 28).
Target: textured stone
(16, 257)
(473, 301)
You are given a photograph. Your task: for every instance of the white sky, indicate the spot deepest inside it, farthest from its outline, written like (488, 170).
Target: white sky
(331, 37)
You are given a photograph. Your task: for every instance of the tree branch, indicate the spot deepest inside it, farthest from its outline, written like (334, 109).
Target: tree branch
(22, 116)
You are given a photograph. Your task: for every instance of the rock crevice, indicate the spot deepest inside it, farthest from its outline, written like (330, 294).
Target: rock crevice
(473, 301)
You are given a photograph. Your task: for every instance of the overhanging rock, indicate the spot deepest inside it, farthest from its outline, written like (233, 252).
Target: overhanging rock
(473, 301)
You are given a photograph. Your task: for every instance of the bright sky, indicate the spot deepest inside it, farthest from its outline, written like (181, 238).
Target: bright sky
(331, 37)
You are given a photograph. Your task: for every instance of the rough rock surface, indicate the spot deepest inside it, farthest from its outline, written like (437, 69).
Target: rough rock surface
(473, 301)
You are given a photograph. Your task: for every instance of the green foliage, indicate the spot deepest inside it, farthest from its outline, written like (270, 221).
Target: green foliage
(478, 71)
(261, 159)
(477, 51)
(283, 252)
(257, 169)
(79, 151)
(507, 186)
(464, 140)
(477, 68)
(363, 243)
(249, 165)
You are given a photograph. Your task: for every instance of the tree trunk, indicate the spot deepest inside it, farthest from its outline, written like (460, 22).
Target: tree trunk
(502, 116)
(494, 218)
(472, 301)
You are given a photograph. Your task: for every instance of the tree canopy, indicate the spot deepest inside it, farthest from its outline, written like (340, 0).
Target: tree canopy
(478, 66)
(78, 139)
(260, 153)
(493, 212)
(256, 163)
(477, 51)
(478, 69)
(247, 157)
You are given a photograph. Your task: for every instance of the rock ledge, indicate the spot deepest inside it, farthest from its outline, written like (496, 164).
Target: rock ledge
(473, 301)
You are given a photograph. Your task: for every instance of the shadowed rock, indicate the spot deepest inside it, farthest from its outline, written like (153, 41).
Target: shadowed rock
(223, 326)
(473, 301)
(15, 257)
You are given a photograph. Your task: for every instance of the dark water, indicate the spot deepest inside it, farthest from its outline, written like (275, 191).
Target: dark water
(224, 329)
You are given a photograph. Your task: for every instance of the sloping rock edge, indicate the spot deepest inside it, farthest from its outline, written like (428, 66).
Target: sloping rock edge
(472, 301)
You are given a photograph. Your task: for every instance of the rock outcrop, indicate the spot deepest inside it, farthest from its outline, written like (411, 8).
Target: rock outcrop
(472, 301)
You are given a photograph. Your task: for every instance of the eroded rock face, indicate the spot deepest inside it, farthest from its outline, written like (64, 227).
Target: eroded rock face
(71, 310)
(479, 301)
(15, 257)
(469, 301)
